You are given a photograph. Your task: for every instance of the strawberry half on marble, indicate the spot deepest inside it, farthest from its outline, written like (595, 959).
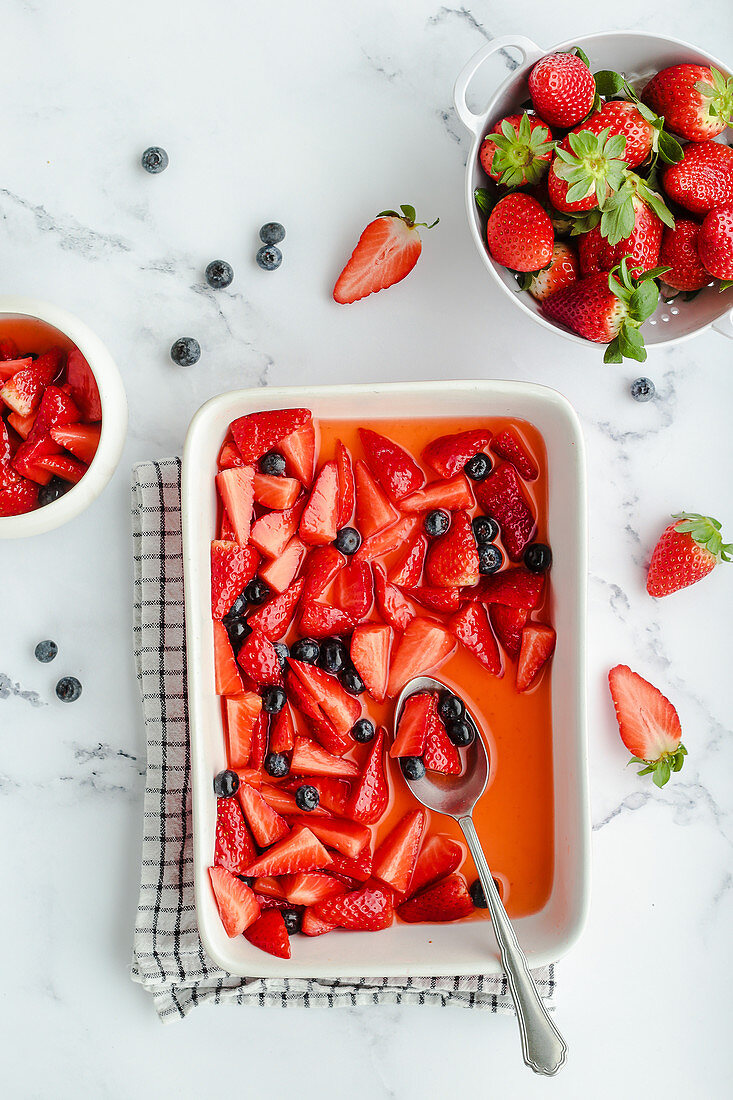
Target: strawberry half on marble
(385, 253)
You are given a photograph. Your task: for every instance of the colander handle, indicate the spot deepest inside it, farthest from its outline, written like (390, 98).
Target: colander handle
(530, 52)
(724, 324)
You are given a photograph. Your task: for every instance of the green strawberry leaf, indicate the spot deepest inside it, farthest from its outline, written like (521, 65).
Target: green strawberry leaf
(524, 279)
(644, 300)
(485, 199)
(657, 203)
(725, 284)
(662, 773)
(583, 56)
(582, 223)
(609, 83)
(613, 353)
(670, 149)
(656, 273)
(409, 212)
(631, 343)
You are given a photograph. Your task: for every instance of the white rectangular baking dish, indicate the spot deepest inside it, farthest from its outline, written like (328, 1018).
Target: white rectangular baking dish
(403, 949)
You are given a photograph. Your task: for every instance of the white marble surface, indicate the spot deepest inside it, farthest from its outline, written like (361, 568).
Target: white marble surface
(319, 115)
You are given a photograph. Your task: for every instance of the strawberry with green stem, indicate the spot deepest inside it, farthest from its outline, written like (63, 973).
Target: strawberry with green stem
(648, 723)
(517, 151)
(385, 253)
(611, 84)
(686, 552)
(586, 170)
(696, 101)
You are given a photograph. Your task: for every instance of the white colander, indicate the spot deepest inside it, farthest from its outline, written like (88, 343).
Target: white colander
(638, 55)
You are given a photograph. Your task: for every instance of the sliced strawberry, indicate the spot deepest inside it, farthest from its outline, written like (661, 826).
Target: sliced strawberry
(424, 647)
(269, 887)
(359, 868)
(299, 451)
(370, 793)
(300, 850)
(278, 493)
(440, 755)
(413, 724)
(648, 723)
(81, 440)
(516, 588)
(236, 489)
(84, 387)
(395, 470)
(340, 708)
(348, 837)
(407, 569)
(68, 469)
(18, 495)
(266, 824)
(282, 731)
(347, 493)
(309, 887)
(237, 905)
(509, 445)
(320, 515)
(249, 775)
(538, 645)
(260, 734)
(471, 627)
(229, 455)
(373, 510)
(9, 367)
(385, 253)
(320, 620)
(23, 392)
(270, 934)
(280, 573)
(335, 743)
(243, 712)
(235, 848)
(384, 542)
(508, 624)
(283, 801)
(310, 759)
(232, 567)
(446, 900)
(273, 619)
(333, 794)
(226, 531)
(271, 903)
(452, 560)
(353, 590)
(257, 433)
(440, 856)
(395, 858)
(437, 599)
(311, 925)
(367, 910)
(258, 659)
(272, 532)
(321, 566)
(370, 649)
(449, 453)
(55, 410)
(228, 680)
(451, 495)
(23, 425)
(393, 606)
(500, 495)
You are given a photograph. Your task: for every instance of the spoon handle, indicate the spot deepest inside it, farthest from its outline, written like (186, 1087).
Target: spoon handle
(543, 1046)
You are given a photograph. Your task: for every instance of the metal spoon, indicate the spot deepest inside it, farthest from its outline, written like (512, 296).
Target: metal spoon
(543, 1047)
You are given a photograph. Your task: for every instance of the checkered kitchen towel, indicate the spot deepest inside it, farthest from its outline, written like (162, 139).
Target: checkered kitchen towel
(169, 960)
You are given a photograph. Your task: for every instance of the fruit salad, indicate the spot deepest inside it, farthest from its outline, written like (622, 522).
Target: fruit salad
(350, 558)
(50, 415)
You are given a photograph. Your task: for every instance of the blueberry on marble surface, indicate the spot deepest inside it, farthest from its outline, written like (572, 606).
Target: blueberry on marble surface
(219, 274)
(272, 233)
(46, 651)
(186, 351)
(154, 160)
(269, 257)
(68, 689)
(643, 389)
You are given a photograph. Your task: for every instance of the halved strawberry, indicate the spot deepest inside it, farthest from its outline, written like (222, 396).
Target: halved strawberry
(424, 647)
(393, 606)
(395, 469)
(412, 726)
(258, 659)
(81, 440)
(229, 455)
(359, 868)
(453, 560)
(516, 588)
(269, 887)
(321, 566)
(260, 733)
(440, 856)
(243, 712)
(367, 910)
(249, 775)
(437, 599)
(320, 620)
(278, 493)
(270, 934)
(9, 367)
(648, 723)
(348, 837)
(69, 469)
(232, 567)
(440, 754)
(407, 569)
(354, 590)
(299, 452)
(508, 624)
(84, 387)
(449, 453)
(272, 532)
(235, 849)
(385, 253)
(309, 887)
(509, 445)
(24, 391)
(226, 531)
(318, 524)
(395, 858)
(370, 648)
(471, 627)
(228, 680)
(282, 731)
(451, 495)
(280, 573)
(370, 793)
(259, 432)
(347, 495)
(23, 425)
(340, 708)
(273, 619)
(236, 489)
(266, 824)
(310, 759)
(237, 905)
(384, 542)
(311, 925)
(538, 645)
(55, 410)
(373, 511)
(335, 743)
(300, 850)
(446, 900)
(500, 495)
(333, 794)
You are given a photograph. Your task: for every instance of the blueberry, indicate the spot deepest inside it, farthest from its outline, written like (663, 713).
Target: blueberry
(334, 656)
(363, 730)
(306, 650)
(643, 389)
(219, 274)
(478, 897)
(538, 557)
(56, 488)
(485, 529)
(186, 351)
(68, 689)
(348, 540)
(154, 160)
(478, 467)
(269, 257)
(238, 608)
(226, 784)
(256, 591)
(277, 765)
(282, 654)
(450, 707)
(272, 233)
(412, 767)
(273, 464)
(238, 630)
(46, 651)
(461, 733)
(351, 681)
(490, 558)
(246, 879)
(273, 699)
(292, 921)
(436, 522)
(307, 797)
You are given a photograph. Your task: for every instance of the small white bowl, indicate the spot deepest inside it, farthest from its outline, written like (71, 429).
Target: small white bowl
(114, 419)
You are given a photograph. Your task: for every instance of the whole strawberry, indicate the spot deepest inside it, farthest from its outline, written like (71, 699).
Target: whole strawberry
(648, 723)
(696, 102)
(715, 242)
(586, 169)
(619, 116)
(562, 89)
(562, 271)
(519, 233)
(641, 246)
(703, 178)
(385, 253)
(679, 254)
(518, 151)
(686, 552)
